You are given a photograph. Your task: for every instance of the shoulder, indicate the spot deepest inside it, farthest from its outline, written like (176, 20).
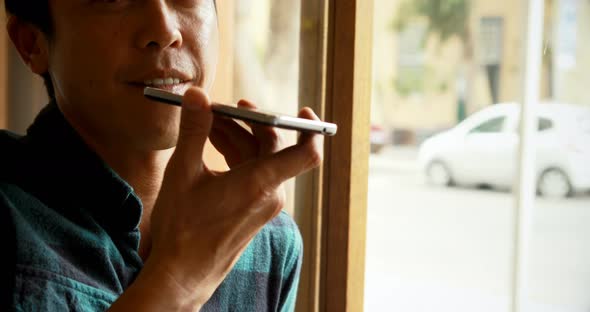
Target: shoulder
(20, 208)
(266, 274)
(10, 140)
(6, 136)
(12, 148)
(10, 195)
(8, 243)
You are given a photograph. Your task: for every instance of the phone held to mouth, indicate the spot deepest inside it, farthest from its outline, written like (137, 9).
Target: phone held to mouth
(257, 116)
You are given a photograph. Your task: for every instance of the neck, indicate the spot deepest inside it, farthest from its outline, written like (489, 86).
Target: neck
(141, 168)
(144, 171)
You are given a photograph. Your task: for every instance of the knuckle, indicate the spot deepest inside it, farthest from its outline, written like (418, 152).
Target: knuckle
(265, 190)
(261, 180)
(315, 156)
(271, 139)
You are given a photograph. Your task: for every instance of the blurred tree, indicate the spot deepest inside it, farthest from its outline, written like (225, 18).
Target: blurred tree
(548, 85)
(266, 59)
(282, 55)
(445, 19)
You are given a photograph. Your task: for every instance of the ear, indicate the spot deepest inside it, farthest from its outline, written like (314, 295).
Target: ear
(31, 44)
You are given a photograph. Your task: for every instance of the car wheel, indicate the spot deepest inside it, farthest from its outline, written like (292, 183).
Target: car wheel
(439, 174)
(554, 183)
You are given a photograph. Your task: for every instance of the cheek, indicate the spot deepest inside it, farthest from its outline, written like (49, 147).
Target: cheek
(210, 53)
(81, 66)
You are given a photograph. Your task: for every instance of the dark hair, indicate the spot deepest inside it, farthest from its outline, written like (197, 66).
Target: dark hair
(39, 16)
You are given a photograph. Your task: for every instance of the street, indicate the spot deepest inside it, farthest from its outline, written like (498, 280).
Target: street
(449, 249)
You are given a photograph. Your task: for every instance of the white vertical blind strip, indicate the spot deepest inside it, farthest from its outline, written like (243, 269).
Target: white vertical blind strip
(526, 188)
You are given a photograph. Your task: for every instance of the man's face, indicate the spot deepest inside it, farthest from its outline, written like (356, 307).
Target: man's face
(103, 53)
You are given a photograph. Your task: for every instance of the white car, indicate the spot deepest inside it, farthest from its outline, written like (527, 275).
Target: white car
(483, 149)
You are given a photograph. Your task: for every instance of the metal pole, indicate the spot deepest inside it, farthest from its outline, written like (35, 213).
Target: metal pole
(526, 189)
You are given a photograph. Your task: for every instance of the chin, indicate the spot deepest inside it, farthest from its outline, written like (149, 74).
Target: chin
(155, 141)
(155, 129)
(158, 137)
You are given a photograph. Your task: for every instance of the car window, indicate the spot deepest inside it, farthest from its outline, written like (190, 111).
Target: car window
(544, 124)
(490, 126)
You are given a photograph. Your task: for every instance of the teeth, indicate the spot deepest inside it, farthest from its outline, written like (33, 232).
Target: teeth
(162, 81)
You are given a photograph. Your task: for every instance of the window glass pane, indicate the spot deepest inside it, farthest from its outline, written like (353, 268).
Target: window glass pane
(266, 60)
(545, 124)
(441, 204)
(494, 125)
(559, 278)
(440, 200)
(267, 53)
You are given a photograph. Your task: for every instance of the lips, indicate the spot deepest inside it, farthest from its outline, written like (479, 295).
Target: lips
(158, 82)
(169, 79)
(162, 76)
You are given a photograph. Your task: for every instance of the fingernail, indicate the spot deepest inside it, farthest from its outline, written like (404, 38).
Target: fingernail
(195, 100)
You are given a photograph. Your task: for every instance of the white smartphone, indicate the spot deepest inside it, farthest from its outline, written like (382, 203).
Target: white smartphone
(270, 119)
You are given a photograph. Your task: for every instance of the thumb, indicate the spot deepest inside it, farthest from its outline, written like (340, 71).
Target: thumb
(195, 124)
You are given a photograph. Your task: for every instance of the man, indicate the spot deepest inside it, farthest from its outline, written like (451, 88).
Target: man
(106, 201)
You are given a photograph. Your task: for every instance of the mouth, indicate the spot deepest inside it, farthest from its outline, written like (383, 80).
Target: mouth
(163, 82)
(175, 85)
(170, 79)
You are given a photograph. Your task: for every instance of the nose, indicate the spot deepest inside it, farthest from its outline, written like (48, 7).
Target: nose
(161, 27)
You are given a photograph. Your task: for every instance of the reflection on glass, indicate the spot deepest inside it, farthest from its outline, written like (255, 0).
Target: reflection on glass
(444, 146)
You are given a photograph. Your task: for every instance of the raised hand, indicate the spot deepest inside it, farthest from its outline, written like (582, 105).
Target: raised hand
(204, 220)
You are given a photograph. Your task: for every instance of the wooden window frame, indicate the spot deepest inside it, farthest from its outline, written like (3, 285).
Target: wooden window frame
(331, 203)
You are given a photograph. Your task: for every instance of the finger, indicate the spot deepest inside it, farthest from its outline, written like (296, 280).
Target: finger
(308, 113)
(222, 144)
(233, 141)
(272, 170)
(269, 138)
(195, 125)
